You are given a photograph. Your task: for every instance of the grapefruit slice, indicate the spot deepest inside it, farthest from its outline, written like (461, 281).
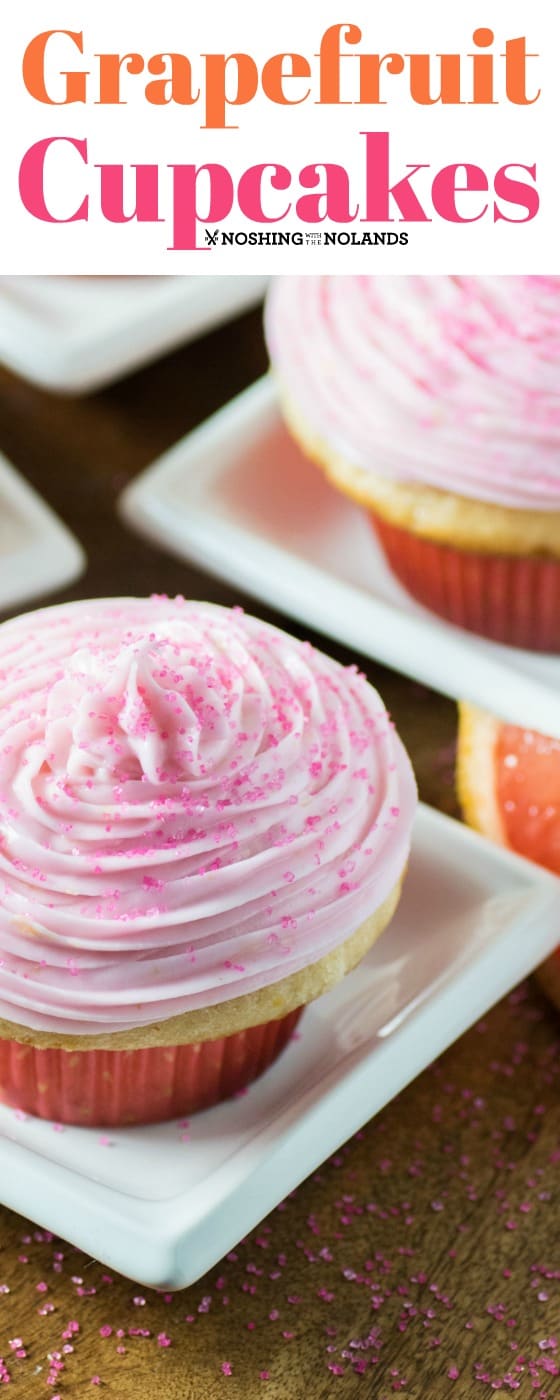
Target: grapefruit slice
(508, 783)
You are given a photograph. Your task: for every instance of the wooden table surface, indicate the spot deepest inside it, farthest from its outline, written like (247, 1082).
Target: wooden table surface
(424, 1259)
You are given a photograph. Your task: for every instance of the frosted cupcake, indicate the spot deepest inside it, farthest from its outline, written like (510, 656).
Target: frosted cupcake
(435, 402)
(204, 824)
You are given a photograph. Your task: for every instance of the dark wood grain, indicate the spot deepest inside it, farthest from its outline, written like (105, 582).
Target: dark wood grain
(434, 1224)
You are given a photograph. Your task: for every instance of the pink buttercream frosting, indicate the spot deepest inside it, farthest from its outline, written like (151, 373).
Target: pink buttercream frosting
(452, 382)
(192, 806)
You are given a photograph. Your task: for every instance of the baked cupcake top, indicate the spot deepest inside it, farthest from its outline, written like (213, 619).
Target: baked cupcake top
(449, 382)
(193, 805)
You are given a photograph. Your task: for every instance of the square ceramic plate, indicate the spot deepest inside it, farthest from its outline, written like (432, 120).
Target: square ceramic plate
(37, 552)
(238, 497)
(73, 334)
(163, 1204)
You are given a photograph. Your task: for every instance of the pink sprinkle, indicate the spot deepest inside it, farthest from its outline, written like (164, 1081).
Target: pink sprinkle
(226, 1368)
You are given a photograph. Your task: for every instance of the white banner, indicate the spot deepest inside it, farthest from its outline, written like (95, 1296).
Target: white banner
(237, 138)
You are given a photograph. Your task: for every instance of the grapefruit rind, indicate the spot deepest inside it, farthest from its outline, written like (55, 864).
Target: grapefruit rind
(476, 773)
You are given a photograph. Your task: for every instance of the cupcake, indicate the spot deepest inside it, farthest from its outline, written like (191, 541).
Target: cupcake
(508, 781)
(435, 403)
(204, 824)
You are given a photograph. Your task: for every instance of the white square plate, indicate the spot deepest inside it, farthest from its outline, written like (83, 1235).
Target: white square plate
(238, 497)
(162, 1205)
(37, 552)
(73, 334)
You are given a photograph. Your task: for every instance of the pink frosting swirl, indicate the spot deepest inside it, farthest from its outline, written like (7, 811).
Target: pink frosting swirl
(192, 805)
(452, 382)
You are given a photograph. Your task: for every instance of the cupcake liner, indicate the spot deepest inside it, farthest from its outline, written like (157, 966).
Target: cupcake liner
(504, 597)
(120, 1087)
